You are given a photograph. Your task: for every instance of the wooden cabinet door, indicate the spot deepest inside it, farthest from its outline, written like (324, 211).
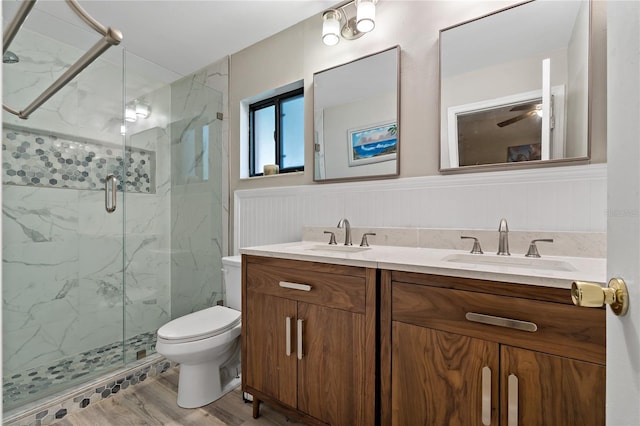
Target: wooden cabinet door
(331, 373)
(269, 369)
(437, 378)
(551, 390)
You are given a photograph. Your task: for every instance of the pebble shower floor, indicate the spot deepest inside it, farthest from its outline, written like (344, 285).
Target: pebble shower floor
(29, 384)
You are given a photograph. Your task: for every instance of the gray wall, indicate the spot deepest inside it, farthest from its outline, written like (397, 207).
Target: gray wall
(298, 52)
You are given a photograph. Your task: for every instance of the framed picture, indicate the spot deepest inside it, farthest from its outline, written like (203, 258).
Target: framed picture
(524, 152)
(373, 144)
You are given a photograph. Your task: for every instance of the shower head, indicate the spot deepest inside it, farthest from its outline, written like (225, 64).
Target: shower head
(10, 58)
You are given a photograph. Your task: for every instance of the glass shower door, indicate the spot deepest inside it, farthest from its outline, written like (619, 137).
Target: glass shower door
(62, 280)
(174, 217)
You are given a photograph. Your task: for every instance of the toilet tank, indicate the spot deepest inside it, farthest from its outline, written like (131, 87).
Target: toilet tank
(232, 273)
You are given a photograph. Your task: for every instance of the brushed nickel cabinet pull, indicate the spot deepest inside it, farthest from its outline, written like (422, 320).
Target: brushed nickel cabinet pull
(300, 338)
(110, 179)
(287, 331)
(501, 322)
(486, 396)
(295, 286)
(512, 413)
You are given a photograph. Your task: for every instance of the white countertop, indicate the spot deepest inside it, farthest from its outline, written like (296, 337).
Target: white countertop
(548, 271)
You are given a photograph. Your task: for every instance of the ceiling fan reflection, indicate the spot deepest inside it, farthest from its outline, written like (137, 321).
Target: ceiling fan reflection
(530, 109)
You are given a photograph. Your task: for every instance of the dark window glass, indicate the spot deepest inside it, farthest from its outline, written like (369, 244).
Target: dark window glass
(276, 130)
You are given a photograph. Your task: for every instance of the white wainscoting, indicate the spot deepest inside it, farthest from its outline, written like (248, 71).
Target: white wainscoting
(571, 199)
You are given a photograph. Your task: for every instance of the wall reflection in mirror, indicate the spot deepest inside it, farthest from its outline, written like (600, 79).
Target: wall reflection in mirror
(514, 87)
(356, 110)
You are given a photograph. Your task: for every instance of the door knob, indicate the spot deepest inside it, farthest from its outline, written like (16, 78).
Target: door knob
(591, 295)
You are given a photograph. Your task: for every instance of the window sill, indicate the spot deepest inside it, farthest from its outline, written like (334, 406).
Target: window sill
(273, 176)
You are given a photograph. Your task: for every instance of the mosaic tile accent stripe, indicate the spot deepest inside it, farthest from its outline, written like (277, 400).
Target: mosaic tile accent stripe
(51, 411)
(27, 385)
(34, 158)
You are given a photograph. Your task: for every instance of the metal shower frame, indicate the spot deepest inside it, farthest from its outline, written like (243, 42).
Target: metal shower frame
(110, 37)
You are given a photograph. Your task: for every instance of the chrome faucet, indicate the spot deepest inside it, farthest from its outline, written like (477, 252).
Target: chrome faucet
(347, 231)
(503, 239)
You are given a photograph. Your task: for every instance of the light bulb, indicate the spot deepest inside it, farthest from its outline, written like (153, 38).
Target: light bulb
(366, 16)
(142, 110)
(130, 114)
(331, 27)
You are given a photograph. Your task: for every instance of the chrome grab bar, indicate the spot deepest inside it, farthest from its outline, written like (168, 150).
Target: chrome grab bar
(114, 184)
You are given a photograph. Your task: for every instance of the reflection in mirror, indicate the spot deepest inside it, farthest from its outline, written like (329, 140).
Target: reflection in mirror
(514, 86)
(356, 131)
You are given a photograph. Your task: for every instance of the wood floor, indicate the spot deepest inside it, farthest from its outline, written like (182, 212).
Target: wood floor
(154, 403)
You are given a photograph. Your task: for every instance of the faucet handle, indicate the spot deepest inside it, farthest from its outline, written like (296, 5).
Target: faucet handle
(332, 239)
(533, 249)
(476, 244)
(364, 242)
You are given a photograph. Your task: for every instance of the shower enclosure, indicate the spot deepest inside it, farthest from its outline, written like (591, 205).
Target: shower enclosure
(85, 289)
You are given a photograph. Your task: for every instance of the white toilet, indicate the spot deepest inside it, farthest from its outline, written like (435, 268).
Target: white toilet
(206, 344)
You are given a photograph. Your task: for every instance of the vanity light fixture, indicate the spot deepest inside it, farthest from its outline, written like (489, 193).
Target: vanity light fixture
(349, 21)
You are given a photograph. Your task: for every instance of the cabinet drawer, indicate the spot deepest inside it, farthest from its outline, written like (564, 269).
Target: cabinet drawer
(307, 282)
(553, 328)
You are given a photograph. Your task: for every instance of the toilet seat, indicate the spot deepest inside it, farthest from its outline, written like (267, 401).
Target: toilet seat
(200, 325)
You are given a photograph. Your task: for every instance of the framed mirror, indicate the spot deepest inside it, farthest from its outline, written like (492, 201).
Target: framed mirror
(514, 87)
(356, 118)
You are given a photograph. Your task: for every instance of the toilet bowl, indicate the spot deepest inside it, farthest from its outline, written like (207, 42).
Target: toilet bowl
(206, 344)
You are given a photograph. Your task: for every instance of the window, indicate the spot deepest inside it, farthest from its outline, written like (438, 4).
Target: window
(276, 133)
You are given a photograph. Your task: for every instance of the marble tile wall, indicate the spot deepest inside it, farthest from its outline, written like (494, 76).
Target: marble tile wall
(62, 288)
(197, 209)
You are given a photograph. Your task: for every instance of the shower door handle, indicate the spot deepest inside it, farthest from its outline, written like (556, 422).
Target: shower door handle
(110, 208)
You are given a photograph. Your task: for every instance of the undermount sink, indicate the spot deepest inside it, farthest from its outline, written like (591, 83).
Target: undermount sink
(338, 248)
(511, 261)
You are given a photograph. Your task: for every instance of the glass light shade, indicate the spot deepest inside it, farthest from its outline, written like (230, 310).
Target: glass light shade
(331, 28)
(130, 114)
(366, 16)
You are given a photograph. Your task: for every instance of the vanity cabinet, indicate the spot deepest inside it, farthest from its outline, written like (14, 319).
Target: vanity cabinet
(462, 351)
(308, 336)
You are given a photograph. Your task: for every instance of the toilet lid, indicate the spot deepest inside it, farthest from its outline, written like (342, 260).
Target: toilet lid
(201, 324)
